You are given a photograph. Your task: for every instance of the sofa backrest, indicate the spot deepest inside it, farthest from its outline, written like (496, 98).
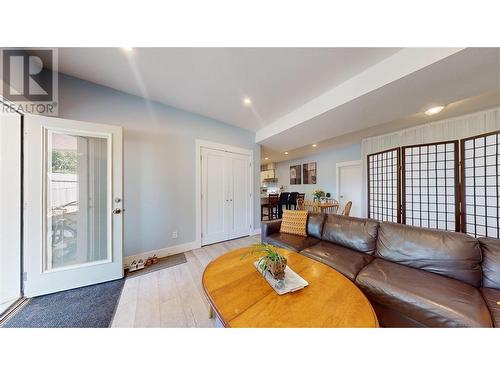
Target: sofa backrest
(491, 262)
(451, 254)
(352, 232)
(315, 222)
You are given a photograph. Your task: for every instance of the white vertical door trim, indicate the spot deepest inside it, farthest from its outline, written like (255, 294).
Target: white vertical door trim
(199, 144)
(340, 165)
(40, 279)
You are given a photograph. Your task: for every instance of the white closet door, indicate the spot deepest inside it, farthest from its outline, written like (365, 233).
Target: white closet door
(215, 196)
(239, 186)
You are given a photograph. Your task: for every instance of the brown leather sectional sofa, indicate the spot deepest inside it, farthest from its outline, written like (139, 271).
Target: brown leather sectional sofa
(414, 277)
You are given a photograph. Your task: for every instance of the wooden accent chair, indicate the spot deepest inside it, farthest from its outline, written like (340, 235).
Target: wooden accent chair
(347, 209)
(272, 208)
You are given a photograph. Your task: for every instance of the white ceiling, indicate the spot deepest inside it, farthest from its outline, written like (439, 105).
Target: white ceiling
(300, 96)
(213, 81)
(466, 81)
(459, 108)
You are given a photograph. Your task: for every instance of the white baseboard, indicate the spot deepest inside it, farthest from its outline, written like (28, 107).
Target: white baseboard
(256, 231)
(160, 253)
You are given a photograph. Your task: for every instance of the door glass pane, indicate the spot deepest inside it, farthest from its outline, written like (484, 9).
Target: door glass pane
(77, 181)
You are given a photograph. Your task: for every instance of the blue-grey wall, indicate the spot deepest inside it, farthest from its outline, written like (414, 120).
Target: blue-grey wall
(326, 169)
(159, 159)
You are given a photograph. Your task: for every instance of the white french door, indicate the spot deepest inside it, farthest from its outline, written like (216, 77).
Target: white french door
(226, 195)
(73, 204)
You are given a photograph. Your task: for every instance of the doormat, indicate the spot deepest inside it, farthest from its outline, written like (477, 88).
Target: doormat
(165, 262)
(88, 307)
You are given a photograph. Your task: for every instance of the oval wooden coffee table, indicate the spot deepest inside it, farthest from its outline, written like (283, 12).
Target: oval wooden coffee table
(241, 297)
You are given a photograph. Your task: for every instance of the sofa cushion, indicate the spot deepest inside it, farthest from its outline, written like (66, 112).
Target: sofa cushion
(427, 298)
(352, 232)
(491, 262)
(347, 262)
(451, 254)
(290, 241)
(315, 223)
(294, 222)
(388, 317)
(492, 298)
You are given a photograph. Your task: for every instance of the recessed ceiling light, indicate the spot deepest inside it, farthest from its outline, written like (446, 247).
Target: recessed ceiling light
(247, 101)
(434, 110)
(286, 152)
(314, 145)
(128, 49)
(266, 158)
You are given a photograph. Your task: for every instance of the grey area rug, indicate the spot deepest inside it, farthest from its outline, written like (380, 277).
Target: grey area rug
(165, 262)
(88, 307)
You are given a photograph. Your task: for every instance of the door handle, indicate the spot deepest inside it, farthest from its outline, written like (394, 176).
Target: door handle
(117, 211)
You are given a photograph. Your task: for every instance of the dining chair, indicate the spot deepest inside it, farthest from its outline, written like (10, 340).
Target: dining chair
(347, 209)
(282, 201)
(272, 207)
(300, 204)
(309, 205)
(292, 200)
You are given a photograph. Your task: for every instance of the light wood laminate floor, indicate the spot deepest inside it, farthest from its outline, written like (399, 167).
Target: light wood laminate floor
(172, 297)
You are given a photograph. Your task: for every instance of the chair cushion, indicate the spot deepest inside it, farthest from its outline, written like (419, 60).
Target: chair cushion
(315, 223)
(290, 241)
(492, 298)
(491, 262)
(427, 298)
(347, 262)
(451, 254)
(294, 222)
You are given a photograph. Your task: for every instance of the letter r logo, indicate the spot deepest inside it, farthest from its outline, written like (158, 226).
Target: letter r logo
(25, 76)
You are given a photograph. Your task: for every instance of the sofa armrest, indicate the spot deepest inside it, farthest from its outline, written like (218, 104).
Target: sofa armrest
(269, 227)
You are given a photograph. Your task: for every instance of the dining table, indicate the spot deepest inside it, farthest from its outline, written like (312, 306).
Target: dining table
(321, 206)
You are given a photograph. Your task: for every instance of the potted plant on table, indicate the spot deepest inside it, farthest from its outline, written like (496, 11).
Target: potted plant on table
(271, 261)
(318, 194)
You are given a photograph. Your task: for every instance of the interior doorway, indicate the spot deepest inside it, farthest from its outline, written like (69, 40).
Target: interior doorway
(349, 176)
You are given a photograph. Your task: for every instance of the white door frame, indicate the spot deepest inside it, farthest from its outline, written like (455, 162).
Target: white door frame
(199, 143)
(337, 173)
(11, 266)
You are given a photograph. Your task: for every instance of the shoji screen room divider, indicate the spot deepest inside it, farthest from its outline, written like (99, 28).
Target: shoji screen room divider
(451, 185)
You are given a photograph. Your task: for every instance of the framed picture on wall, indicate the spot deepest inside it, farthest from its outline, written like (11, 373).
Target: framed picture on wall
(295, 175)
(309, 172)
